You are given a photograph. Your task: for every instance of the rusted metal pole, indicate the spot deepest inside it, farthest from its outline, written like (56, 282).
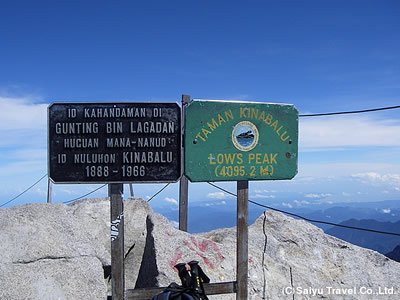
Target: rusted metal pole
(242, 239)
(115, 191)
(183, 184)
(49, 190)
(131, 189)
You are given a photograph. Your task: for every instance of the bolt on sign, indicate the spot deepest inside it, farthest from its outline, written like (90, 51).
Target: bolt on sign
(230, 141)
(114, 142)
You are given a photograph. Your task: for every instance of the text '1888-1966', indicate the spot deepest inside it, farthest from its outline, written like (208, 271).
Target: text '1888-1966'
(114, 142)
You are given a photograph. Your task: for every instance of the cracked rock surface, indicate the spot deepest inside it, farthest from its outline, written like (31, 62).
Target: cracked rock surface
(47, 253)
(57, 251)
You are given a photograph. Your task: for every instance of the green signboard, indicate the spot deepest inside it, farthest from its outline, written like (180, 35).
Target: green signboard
(230, 141)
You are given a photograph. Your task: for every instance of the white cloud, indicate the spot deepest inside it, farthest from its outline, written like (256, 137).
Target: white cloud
(265, 196)
(301, 203)
(23, 135)
(218, 195)
(215, 203)
(341, 132)
(287, 204)
(318, 196)
(378, 179)
(264, 191)
(22, 113)
(171, 200)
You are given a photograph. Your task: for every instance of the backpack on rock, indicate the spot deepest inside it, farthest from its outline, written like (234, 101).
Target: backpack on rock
(192, 278)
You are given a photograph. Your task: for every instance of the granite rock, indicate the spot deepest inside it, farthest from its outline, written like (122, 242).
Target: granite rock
(57, 251)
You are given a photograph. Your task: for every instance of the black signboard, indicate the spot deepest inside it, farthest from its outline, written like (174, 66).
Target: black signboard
(114, 142)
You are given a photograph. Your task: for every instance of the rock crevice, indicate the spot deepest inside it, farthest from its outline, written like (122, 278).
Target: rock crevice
(46, 245)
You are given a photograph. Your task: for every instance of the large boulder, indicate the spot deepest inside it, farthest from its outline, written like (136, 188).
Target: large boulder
(66, 247)
(47, 253)
(286, 257)
(57, 251)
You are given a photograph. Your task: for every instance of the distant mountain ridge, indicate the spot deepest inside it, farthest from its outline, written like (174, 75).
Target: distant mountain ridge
(395, 254)
(209, 215)
(378, 242)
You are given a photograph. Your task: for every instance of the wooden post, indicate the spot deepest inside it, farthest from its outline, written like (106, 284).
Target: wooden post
(242, 239)
(183, 203)
(183, 184)
(115, 191)
(131, 189)
(49, 190)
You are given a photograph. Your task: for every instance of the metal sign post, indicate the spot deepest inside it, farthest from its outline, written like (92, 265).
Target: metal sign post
(115, 191)
(49, 190)
(183, 184)
(242, 239)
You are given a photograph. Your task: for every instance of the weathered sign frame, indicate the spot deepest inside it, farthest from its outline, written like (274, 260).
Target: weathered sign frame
(175, 144)
(240, 140)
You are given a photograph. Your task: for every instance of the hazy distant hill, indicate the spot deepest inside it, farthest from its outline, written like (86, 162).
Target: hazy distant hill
(380, 242)
(338, 214)
(395, 254)
(207, 218)
(209, 215)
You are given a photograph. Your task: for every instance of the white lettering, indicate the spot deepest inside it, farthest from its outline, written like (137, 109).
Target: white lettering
(81, 143)
(77, 128)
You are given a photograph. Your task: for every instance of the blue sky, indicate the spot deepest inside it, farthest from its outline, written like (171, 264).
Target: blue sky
(321, 56)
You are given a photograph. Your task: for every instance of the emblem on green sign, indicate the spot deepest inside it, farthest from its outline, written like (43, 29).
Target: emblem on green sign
(229, 141)
(245, 136)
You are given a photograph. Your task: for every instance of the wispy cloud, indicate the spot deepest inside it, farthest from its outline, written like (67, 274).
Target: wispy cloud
(23, 133)
(341, 131)
(22, 113)
(378, 179)
(171, 200)
(218, 195)
(264, 196)
(287, 205)
(301, 203)
(215, 203)
(264, 191)
(318, 196)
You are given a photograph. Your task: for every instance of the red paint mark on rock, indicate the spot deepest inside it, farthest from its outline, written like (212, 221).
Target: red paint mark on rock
(206, 243)
(174, 261)
(205, 259)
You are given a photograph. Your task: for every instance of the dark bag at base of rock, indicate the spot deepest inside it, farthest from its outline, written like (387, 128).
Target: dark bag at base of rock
(192, 278)
(177, 292)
